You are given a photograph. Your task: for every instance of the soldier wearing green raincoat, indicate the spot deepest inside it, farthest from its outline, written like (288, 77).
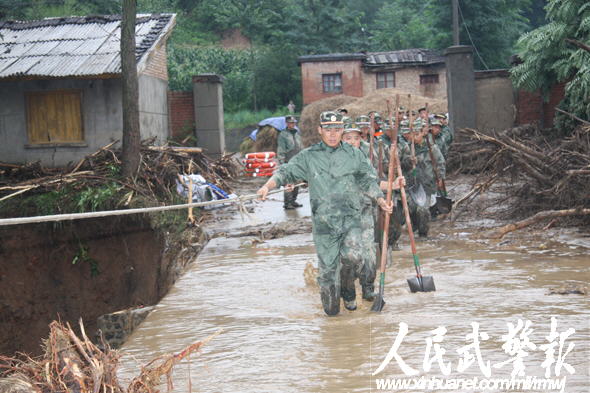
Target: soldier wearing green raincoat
(442, 139)
(369, 211)
(289, 144)
(421, 180)
(338, 176)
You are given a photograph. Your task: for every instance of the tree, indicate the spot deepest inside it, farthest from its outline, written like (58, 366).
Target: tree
(131, 132)
(551, 54)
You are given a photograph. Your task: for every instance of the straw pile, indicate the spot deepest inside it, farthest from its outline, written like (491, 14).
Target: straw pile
(375, 101)
(73, 363)
(267, 139)
(310, 117)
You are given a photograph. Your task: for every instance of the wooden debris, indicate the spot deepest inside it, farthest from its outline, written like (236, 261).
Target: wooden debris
(500, 232)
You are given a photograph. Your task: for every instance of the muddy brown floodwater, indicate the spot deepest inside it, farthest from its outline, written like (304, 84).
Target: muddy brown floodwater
(276, 337)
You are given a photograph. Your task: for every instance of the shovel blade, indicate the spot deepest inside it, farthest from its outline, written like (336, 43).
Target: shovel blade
(418, 194)
(378, 303)
(443, 204)
(424, 284)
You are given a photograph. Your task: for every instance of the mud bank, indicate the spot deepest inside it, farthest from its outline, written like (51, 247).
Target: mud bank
(84, 269)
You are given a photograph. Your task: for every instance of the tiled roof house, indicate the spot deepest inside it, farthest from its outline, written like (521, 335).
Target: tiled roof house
(60, 85)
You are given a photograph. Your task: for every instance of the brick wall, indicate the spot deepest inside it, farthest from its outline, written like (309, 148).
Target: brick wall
(181, 113)
(156, 64)
(311, 79)
(408, 79)
(532, 108)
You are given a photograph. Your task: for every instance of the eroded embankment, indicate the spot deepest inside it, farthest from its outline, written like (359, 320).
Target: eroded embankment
(84, 269)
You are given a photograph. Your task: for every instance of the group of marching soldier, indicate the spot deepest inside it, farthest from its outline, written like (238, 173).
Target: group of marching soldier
(346, 173)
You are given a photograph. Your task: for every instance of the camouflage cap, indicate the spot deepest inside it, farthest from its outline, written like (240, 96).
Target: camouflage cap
(351, 127)
(401, 109)
(376, 116)
(435, 122)
(418, 124)
(362, 120)
(290, 119)
(440, 116)
(423, 108)
(331, 119)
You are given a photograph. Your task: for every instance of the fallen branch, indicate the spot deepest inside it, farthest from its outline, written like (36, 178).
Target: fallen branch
(176, 149)
(572, 116)
(500, 232)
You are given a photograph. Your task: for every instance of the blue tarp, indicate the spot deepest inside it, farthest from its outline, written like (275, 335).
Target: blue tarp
(277, 122)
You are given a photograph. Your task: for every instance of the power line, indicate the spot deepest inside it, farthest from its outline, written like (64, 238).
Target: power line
(470, 39)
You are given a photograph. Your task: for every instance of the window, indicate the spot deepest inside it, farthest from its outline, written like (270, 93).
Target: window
(428, 79)
(332, 83)
(54, 117)
(385, 80)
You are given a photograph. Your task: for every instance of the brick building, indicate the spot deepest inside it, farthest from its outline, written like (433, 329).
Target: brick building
(418, 71)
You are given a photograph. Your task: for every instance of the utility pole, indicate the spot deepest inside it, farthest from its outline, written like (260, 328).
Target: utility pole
(131, 135)
(455, 22)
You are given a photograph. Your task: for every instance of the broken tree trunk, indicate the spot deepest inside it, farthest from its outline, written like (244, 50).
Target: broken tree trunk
(500, 232)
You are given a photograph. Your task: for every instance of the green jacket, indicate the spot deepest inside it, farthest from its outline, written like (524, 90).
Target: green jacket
(338, 179)
(444, 140)
(289, 144)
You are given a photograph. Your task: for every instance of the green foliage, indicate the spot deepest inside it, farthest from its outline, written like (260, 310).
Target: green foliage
(244, 118)
(83, 257)
(548, 59)
(97, 198)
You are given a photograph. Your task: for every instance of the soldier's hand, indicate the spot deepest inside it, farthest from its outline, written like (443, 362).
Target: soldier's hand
(439, 183)
(386, 207)
(399, 182)
(289, 187)
(262, 193)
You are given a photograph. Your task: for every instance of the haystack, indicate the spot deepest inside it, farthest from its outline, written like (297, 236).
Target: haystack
(374, 101)
(377, 101)
(310, 117)
(266, 140)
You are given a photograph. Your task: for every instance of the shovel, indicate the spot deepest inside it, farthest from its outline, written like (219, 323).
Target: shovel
(378, 303)
(419, 283)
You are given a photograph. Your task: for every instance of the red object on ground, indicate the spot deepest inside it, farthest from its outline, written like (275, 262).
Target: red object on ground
(271, 164)
(261, 155)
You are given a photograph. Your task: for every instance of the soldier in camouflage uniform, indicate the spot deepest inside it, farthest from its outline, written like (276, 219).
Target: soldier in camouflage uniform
(423, 174)
(369, 211)
(338, 176)
(364, 123)
(446, 133)
(289, 144)
(442, 140)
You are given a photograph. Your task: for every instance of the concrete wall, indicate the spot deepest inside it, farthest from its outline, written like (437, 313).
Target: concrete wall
(101, 118)
(495, 100)
(311, 79)
(408, 79)
(153, 108)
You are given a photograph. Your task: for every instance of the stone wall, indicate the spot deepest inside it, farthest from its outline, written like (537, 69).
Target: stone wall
(495, 101)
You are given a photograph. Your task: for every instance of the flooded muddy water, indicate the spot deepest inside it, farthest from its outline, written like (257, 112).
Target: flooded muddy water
(276, 338)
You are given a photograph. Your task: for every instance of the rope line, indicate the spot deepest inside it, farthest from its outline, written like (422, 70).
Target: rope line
(107, 213)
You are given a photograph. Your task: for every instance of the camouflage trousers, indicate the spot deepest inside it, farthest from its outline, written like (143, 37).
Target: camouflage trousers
(396, 220)
(368, 269)
(338, 246)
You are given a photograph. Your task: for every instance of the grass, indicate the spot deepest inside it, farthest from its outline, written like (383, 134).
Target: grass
(245, 118)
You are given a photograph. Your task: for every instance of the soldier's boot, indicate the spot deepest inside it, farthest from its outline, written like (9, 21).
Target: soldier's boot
(296, 204)
(369, 292)
(423, 221)
(330, 300)
(348, 291)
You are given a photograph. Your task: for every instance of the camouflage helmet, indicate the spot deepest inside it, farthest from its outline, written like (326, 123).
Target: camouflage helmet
(290, 119)
(362, 120)
(376, 116)
(331, 119)
(351, 127)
